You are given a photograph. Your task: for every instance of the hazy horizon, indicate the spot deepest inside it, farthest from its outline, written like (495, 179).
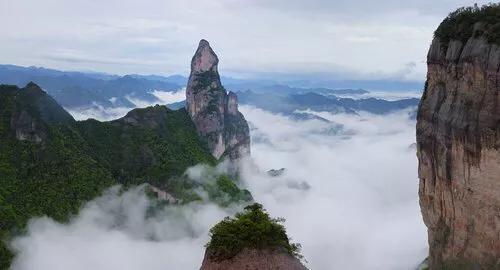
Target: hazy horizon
(319, 39)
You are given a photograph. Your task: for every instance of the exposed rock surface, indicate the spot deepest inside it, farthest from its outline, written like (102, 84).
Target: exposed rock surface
(458, 139)
(276, 172)
(32, 110)
(213, 110)
(252, 259)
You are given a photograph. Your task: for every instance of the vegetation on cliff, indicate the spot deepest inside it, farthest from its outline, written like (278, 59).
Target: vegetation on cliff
(459, 25)
(213, 110)
(148, 145)
(253, 228)
(51, 164)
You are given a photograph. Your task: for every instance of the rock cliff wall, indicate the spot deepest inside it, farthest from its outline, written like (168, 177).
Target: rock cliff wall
(251, 259)
(458, 139)
(213, 110)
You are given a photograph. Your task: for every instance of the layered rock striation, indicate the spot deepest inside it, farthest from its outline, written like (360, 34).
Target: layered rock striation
(213, 110)
(458, 139)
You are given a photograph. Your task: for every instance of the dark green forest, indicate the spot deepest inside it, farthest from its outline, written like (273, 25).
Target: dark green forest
(51, 164)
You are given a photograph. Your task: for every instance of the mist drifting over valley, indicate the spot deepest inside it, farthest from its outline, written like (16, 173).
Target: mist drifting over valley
(252, 135)
(348, 194)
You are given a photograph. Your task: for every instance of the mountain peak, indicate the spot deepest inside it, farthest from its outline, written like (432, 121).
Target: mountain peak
(214, 111)
(203, 42)
(204, 59)
(32, 85)
(149, 117)
(33, 88)
(31, 110)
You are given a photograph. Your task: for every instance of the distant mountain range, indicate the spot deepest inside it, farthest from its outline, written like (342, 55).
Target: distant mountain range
(318, 102)
(85, 89)
(78, 89)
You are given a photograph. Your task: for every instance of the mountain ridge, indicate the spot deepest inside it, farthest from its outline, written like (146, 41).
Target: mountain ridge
(51, 164)
(318, 102)
(79, 89)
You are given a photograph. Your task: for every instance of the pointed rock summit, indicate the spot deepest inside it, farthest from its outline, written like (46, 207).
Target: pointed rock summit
(204, 59)
(213, 110)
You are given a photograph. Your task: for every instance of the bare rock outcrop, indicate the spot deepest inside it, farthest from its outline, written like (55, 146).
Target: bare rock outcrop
(253, 259)
(458, 140)
(213, 110)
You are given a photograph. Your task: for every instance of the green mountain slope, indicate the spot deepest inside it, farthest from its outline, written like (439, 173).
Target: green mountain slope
(51, 164)
(147, 145)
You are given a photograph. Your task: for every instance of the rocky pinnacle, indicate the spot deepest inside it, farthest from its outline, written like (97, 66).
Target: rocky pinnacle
(213, 110)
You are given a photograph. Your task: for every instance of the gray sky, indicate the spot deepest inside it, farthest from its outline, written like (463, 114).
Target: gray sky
(335, 39)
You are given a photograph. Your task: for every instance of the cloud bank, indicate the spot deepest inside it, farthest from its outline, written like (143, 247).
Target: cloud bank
(361, 209)
(348, 194)
(102, 113)
(116, 231)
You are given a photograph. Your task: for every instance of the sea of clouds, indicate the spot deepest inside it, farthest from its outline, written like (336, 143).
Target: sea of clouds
(349, 194)
(99, 112)
(386, 95)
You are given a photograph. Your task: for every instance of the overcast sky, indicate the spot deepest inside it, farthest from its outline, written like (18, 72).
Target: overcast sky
(337, 39)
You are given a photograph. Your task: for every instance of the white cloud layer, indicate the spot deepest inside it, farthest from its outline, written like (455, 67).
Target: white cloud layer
(102, 113)
(361, 210)
(349, 196)
(386, 95)
(170, 97)
(115, 232)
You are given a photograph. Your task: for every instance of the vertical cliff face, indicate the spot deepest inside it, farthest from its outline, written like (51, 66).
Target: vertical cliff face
(458, 139)
(213, 110)
(253, 259)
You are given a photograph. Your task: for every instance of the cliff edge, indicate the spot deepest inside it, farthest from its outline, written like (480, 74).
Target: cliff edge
(458, 127)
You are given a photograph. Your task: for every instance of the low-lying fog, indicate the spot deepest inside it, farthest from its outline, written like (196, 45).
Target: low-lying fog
(99, 112)
(348, 194)
(387, 95)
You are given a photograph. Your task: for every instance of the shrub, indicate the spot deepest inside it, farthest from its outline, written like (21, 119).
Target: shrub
(459, 25)
(252, 228)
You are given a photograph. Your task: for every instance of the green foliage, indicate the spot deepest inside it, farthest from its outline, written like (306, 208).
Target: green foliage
(205, 79)
(153, 153)
(52, 179)
(76, 161)
(225, 191)
(459, 25)
(252, 228)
